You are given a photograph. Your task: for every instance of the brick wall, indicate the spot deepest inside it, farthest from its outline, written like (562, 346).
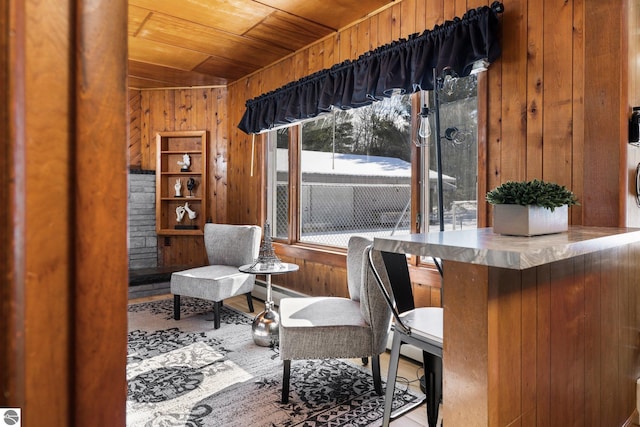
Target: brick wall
(143, 241)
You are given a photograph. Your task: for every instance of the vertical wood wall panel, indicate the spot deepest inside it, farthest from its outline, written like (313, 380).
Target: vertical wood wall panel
(362, 37)
(12, 226)
(435, 13)
(100, 264)
(610, 303)
(535, 85)
(530, 346)
(509, 321)
(407, 18)
(604, 144)
(301, 65)
(134, 129)
(220, 157)
(189, 109)
(316, 62)
(592, 349)
(330, 48)
(566, 341)
(421, 16)
(558, 92)
(473, 341)
(473, 4)
(449, 9)
(543, 348)
(146, 161)
(629, 335)
(577, 155)
(48, 153)
(514, 149)
(395, 21)
(385, 27)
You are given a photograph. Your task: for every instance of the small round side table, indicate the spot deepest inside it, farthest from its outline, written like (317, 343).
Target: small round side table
(265, 327)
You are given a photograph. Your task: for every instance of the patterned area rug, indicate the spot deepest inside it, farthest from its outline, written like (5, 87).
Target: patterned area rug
(185, 373)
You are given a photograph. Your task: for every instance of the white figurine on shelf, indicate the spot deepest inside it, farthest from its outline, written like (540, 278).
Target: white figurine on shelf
(180, 211)
(185, 163)
(178, 187)
(192, 214)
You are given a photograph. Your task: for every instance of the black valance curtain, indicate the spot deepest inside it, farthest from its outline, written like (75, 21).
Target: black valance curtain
(405, 65)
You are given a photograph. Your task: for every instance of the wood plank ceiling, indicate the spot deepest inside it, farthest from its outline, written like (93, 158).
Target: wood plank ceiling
(182, 43)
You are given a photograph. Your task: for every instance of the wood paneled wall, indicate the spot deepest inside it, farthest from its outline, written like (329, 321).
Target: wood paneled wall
(556, 104)
(151, 111)
(553, 345)
(556, 107)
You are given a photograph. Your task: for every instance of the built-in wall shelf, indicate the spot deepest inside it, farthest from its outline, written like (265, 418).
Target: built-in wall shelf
(174, 150)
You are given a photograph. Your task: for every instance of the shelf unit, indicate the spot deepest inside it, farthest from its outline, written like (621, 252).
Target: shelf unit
(171, 149)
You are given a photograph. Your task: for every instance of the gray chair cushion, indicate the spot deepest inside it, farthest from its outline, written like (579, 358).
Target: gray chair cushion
(321, 328)
(212, 282)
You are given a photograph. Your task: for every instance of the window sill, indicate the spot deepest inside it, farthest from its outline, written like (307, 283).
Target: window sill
(424, 274)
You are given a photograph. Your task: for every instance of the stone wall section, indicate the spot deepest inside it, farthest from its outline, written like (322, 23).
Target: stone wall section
(143, 241)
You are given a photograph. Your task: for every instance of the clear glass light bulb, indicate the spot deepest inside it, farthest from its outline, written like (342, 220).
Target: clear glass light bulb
(425, 128)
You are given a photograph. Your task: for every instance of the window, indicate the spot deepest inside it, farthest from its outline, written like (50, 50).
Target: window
(459, 145)
(359, 171)
(278, 183)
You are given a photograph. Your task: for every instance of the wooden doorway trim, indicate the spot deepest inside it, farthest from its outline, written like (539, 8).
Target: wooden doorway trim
(63, 239)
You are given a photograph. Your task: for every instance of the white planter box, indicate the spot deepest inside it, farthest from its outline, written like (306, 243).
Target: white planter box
(529, 220)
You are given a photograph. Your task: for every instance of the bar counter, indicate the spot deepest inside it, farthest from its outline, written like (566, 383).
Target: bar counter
(538, 331)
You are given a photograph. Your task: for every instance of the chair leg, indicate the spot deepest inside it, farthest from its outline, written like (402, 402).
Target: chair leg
(176, 307)
(216, 314)
(433, 383)
(286, 373)
(250, 302)
(375, 371)
(391, 377)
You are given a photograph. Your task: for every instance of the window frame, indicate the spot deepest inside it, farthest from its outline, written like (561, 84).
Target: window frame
(292, 246)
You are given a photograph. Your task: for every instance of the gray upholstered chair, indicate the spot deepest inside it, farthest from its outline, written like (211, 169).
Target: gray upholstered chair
(228, 247)
(334, 327)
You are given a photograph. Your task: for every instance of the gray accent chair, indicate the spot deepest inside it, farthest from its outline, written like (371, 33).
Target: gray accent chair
(228, 247)
(335, 327)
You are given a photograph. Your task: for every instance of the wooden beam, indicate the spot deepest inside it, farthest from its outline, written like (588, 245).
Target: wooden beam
(63, 334)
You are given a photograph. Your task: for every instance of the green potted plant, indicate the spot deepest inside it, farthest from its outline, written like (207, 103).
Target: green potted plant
(530, 208)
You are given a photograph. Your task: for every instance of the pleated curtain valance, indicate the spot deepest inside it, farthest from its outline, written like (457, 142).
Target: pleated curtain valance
(405, 65)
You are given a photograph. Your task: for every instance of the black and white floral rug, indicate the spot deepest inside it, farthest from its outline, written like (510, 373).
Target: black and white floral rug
(186, 373)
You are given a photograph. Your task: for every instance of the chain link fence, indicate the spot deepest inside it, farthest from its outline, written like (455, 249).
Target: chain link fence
(332, 212)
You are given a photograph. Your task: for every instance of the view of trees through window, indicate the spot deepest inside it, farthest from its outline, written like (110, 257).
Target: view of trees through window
(355, 170)
(380, 129)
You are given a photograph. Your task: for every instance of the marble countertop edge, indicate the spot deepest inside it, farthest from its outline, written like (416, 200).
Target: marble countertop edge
(484, 247)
